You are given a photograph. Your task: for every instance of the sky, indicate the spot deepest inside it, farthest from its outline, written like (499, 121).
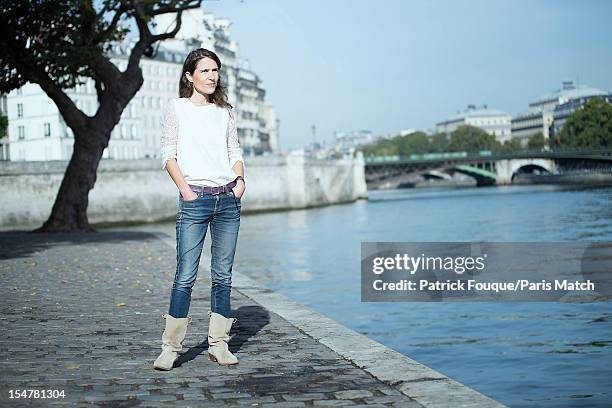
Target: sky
(390, 65)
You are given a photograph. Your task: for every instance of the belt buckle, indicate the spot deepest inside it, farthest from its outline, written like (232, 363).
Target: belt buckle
(215, 190)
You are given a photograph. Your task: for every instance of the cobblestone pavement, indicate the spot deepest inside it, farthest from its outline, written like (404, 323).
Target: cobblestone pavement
(82, 313)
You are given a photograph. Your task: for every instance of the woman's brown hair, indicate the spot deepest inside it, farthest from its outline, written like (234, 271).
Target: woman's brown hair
(219, 97)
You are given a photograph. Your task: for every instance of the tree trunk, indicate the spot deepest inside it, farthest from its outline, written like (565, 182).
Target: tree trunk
(69, 211)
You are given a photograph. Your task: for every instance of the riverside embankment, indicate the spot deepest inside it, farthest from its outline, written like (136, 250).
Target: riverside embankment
(85, 323)
(140, 191)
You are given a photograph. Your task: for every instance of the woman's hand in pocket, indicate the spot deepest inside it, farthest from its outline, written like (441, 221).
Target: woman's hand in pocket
(189, 195)
(239, 188)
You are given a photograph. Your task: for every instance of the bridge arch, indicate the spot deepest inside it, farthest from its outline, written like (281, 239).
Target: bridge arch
(506, 170)
(529, 169)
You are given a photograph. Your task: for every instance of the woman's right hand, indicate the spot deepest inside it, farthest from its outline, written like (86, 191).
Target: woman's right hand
(189, 195)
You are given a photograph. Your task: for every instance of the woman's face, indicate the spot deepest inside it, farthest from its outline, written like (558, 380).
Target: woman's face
(205, 77)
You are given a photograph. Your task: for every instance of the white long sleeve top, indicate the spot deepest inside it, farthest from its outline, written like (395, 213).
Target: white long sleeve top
(202, 139)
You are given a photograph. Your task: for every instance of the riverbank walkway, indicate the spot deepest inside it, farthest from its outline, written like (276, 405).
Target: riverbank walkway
(82, 314)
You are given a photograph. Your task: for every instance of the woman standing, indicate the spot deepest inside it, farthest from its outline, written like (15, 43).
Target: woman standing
(201, 153)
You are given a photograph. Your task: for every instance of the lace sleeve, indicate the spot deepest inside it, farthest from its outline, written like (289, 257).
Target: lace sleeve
(233, 146)
(169, 137)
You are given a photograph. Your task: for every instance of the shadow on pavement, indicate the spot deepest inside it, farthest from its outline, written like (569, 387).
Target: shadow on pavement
(21, 244)
(251, 319)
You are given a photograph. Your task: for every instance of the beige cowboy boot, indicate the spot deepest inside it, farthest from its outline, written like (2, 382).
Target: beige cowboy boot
(172, 339)
(218, 336)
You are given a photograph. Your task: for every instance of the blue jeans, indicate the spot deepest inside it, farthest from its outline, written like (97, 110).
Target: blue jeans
(222, 213)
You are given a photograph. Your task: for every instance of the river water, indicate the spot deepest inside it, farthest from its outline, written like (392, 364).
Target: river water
(523, 354)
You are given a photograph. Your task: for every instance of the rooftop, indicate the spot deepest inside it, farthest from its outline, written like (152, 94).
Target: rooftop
(567, 92)
(472, 112)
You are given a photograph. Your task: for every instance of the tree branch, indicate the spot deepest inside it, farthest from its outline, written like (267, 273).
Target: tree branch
(142, 23)
(105, 9)
(146, 38)
(189, 4)
(74, 118)
(99, 90)
(112, 26)
(170, 34)
(105, 71)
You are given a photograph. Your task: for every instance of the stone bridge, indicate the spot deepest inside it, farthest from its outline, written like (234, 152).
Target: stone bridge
(485, 167)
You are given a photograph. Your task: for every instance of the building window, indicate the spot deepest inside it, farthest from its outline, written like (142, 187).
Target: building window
(20, 110)
(21, 132)
(47, 127)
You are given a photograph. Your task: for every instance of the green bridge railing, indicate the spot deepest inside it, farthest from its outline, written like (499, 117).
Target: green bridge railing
(492, 155)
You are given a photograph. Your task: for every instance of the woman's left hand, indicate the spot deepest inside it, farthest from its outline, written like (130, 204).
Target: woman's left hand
(239, 188)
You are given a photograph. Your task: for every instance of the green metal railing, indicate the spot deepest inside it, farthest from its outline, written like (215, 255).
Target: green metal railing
(492, 155)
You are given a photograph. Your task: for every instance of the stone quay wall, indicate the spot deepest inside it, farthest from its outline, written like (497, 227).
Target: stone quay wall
(128, 191)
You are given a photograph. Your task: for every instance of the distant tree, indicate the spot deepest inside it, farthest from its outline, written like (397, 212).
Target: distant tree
(589, 126)
(438, 143)
(389, 147)
(536, 141)
(57, 43)
(414, 143)
(384, 147)
(3, 126)
(471, 139)
(512, 145)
